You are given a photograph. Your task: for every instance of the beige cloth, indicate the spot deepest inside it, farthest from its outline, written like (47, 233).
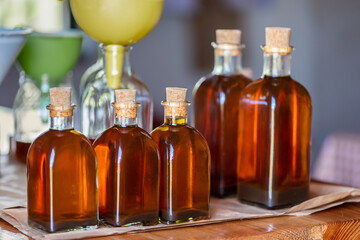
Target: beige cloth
(12, 183)
(323, 196)
(13, 194)
(339, 160)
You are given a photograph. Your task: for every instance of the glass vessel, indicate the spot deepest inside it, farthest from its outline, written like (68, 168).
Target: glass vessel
(30, 107)
(89, 75)
(96, 111)
(45, 61)
(128, 171)
(275, 130)
(62, 173)
(216, 109)
(185, 164)
(116, 24)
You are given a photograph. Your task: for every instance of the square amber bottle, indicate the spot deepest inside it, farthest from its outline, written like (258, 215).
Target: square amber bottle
(62, 173)
(185, 164)
(128, 161)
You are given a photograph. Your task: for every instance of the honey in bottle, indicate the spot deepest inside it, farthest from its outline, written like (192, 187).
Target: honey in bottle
(216, 109)
(275, 130)
(62, 172)
(128, 168)
(185, 163)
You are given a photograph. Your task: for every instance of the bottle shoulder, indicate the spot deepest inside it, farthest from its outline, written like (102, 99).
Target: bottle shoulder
(180, 138)
(267, 87)
(123, 136)
(63, 139)
(169, 131)
(221, 83)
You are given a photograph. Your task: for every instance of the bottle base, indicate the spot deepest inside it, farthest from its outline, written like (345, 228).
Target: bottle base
(148, 219)
(253, 195)
(65, 226)
(222, 192)
(184, 216)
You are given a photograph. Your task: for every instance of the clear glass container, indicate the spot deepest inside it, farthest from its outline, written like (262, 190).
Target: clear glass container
(216, 107)
(45, 61)
(90, 74)
(30, 113)
(96, 111)
(274, 136)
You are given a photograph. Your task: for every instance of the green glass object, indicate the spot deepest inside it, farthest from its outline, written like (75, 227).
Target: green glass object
(51, 56)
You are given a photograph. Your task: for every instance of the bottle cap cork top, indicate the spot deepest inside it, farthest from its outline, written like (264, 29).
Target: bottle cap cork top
(60, 96)
(125, 95)
(174, 94)
(277, 37)
(228, 36)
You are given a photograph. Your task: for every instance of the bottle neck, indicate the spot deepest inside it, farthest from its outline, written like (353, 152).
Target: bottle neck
(61, 123)
(175, 113)
(61, 117)
(277, 65)
(173, 120)
(125, 113)
(101, 54)
(126, 63)
(228, 60)
(126, 122)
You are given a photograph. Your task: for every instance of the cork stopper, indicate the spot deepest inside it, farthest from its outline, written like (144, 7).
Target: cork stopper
(125, 95)
(174, 94)
(277, 37)
(125, 105)
(228, 36)
(60, 102)
(60, 96)
(176, 104)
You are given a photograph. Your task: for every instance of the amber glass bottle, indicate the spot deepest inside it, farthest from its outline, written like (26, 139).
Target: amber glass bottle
(275, 131)
(129, 164)
(216, 109)
(185, 163)
(61, 173)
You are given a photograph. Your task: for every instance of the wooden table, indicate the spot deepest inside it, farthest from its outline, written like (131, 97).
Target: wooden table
(342, 222)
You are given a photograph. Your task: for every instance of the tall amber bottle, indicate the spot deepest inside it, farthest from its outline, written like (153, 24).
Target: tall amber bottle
(62, 172)
(216, 109)
(185, 163)
(275, 131)
(129, 164)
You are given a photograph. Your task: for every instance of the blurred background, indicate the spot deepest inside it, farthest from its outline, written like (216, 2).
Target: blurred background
(325, 34)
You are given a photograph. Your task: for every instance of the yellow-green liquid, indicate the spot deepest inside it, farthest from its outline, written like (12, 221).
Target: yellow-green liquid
(121, 22)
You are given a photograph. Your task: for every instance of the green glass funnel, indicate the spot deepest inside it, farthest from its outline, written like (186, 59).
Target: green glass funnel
(50, 56)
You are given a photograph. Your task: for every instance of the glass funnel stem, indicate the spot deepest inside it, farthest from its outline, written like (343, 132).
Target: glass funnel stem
(114, 65)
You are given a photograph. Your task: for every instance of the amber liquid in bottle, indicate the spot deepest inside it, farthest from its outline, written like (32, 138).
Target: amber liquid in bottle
(184, 171)
(62, 179)
(274, 138)
(128, 163)
(19, 150)
(216, 109)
